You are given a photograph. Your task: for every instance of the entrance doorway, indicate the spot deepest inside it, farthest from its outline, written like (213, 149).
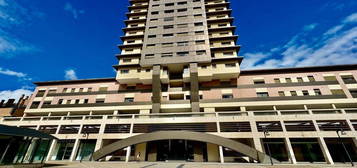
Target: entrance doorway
(177, 150)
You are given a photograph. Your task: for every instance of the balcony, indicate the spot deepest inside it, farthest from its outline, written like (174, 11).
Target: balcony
(135, 77)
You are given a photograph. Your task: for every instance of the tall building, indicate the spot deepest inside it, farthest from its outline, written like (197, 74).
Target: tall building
(179, 94)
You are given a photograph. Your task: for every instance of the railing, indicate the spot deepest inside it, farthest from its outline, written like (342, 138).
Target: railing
(182, 115)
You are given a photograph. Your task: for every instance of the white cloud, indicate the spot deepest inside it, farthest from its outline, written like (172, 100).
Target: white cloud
(14, 94)
(13, 17)
(20, 75)
(70, 74)
(338, 45)
(310, 27)
(351, 19)
(75, 12)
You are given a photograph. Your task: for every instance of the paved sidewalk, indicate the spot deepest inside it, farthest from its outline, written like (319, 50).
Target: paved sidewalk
(181, 165)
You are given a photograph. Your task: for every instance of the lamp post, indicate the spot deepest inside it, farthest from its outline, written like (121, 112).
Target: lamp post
(343, 145)
(266, 132)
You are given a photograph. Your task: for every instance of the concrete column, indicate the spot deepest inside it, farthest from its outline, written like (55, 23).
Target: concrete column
(194, 85)
(75, 150)
(355, 141)
(128, 151)
(50, 151)
(325, 151)
(221, 156)
(98, 144)
(290, 151)
(156, 89)
(258, 144)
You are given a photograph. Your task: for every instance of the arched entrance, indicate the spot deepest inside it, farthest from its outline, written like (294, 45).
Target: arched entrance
(182, 135)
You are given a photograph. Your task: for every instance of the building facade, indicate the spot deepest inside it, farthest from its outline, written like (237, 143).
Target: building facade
(179, 94)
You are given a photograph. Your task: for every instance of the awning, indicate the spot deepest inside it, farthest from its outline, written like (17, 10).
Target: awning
(23, 132)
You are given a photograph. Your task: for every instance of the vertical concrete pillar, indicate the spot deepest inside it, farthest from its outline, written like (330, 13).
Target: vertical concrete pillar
(140, 148)
(212, 153)
(290, 151)
(98, 144)
(156, 89)
(75, 150)
(221, 156)
(325, 150)
(355, 141)
(52, 148)
(258, 144)
(128, 152)
(194, 84)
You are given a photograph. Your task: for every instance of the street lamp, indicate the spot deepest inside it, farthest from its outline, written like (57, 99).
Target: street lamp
(266, 132)
(343, 145)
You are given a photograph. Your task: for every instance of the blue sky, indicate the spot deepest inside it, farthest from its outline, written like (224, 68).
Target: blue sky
(43, 40)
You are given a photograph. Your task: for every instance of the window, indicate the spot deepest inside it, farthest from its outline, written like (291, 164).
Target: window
(197, 7)
(76, 101)
(201, 52)
(166, 19)
(35, 105)
(152, 27)
(156, 5)
(214, 66)
(147, 70)
(226, 43)
(200, 42)
(317, 92)
(90, 89)
(182, 25)
(103, 89)
(311, 78)
(52, 91)
(276, 80)
(182, 34)
(155, 13)
(281, 93)
(353, 93)
(204, 67)
(166, 55)
(181, 3)
(227, 96)
(188, 97)
(222, 25)
(182, 54)
(85, 101)
(168, 35)
(124, 71)
(337, 92)
(299, 79)
(126, 60)
(47, 103)
(151, 36)
(81, 89)
(60, 101)
(182, 16)
(169, 11)
(262, 94)
(230, 65)
(64, 90)
(330, 78)
(288, 80)
(169, 4)
(155, 19)
(348, 79)
(148, 56)
(260, 81)
(199, 32)
(150, 45)
(305, 93)
(99, 100)
(167, 44)
(197, 15)
(199, 24)
(40, 93)
(182, 10)
(228, 53)
(129, 99)
(293, 93)
(131, 41)
(73, 90)
(182, 43)
(168, 26)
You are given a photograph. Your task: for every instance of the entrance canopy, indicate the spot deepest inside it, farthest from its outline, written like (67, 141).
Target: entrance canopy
(23, 132)
(186, 135)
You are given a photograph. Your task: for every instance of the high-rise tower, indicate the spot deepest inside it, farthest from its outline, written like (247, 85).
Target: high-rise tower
(178, 45)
